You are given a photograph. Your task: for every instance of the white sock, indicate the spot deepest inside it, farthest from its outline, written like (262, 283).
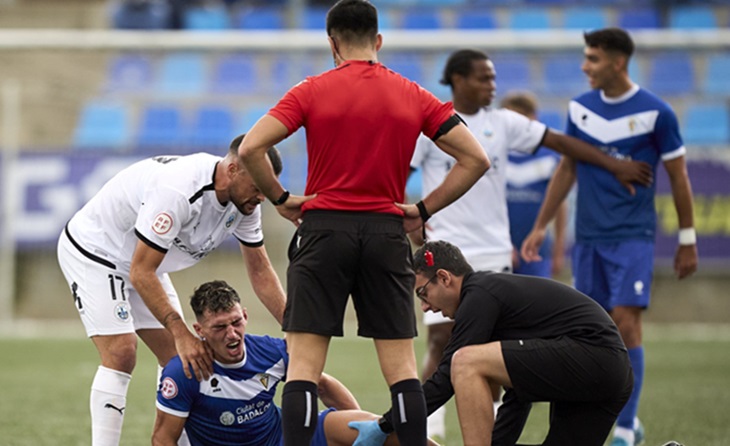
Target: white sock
(436, 423)
(626, 434)
(107, 403)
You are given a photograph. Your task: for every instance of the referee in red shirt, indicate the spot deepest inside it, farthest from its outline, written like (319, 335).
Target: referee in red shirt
(362, 121)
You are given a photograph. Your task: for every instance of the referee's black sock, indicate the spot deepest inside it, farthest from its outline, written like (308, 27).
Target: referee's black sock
(299, 412)
(409, 412)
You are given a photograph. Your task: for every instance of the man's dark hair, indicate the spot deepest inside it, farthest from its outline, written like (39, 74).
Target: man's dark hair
(461, 62)
(443, 255)
(272, 152)
(214, 296)
(610, 39)
(353, 22)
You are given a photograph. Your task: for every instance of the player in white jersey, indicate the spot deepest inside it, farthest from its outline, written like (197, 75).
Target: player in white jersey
(235, 406)
(157, 216)
(477, 223)
(613, 254)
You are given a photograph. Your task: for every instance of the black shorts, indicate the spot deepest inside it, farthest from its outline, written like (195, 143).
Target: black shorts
(587, 385)
(337, 254)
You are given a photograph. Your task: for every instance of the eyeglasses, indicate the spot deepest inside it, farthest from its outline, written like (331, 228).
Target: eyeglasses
(421, 290)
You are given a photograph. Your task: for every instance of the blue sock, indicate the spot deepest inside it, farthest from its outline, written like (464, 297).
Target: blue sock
(628, 413)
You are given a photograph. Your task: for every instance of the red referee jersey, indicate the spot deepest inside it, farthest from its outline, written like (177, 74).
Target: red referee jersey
(362, 121)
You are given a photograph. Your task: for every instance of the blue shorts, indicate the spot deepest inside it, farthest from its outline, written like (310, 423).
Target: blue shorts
(319, 438)
(615, 274)
(541, 268)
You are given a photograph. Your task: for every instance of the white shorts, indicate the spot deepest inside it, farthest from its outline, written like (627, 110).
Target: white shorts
(501, 263)
(104, 297)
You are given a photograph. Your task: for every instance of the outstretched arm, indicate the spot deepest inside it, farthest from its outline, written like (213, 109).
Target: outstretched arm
(626, 172)
(685, 259)
(264, 280)
(334, 394)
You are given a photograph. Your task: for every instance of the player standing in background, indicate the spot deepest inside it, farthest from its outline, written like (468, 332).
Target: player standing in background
(362, 121)
(613, 256)
(236, 405)
(478, 222)
(159, 215)
(527, 180)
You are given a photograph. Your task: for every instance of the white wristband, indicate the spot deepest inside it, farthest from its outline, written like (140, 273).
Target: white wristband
(687, 236)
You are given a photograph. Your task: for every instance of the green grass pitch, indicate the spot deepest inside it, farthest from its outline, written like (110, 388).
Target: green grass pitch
(45, 387)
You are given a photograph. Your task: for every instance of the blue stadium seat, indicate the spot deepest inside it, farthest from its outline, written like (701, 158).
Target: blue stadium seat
(405, 64)
(672, 74)
(421, 19)
(102, 126)
(717, 75)
(563, 76)
(639, 18)
(206, 18)
(235, 74)
(161, 126)
(513, 72)
(182, 74)
(213, 128)
(314, 18)
(689, 17)
(129, 73)
(529, 18)
(249, 117)
(584, 18)
(141, 15)
(555, 119)
(260, 19)
(706, 125)
(475, 19)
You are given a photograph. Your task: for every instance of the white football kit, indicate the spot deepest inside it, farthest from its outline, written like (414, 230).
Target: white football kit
(169, 203)
(478, 222)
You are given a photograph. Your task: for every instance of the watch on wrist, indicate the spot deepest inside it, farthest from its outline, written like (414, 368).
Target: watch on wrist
(282, 199)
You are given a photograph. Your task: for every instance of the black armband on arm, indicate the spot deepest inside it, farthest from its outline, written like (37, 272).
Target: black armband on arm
(450, 123)
(385, 425)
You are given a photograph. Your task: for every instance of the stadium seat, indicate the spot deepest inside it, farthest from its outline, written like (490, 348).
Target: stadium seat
(213, 128)
(141, 15)
(260, 19)
(406, 64)
(235, 74)
(639, 18)
(102, 126)
(717, 75)
(206, 18)
(555, 119)
(421, 19)
(475, 19)
(513, 72)
(563, 76)
(182, 74)
(707, 125)
(689, 17)
(314, 18)
(161, 126)
(129, 73)
(672, 74)
(250, 115)
(529, 18)
(584, 18)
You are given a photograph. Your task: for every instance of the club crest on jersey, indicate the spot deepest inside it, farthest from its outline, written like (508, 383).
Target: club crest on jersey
(264, 380)
(231, 219)
(632, 125)
(121, 311)
(168, 388)
(162, 223)
(488, 133)
(227, 418)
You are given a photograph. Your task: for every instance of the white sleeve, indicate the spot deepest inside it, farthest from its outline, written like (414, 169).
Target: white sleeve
(524, 134)
(423, 145)
(163, 213)
(249, 230)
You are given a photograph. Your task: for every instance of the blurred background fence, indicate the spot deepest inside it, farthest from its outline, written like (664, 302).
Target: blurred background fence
(87, 87)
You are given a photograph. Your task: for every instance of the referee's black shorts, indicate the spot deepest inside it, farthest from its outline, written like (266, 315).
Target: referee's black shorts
(337, 254)
(587, 385)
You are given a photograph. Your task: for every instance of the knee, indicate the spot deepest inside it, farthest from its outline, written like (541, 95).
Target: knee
(122, 357)
(463, 364)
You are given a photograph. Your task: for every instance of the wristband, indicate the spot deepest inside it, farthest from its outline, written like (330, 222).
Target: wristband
(422, 211)
(687, 236)
(281, 200)
(385, 425)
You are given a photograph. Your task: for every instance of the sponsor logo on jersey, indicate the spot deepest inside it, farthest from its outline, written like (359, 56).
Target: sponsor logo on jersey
(168, 388)
(231, 219)
(639, 287)
(227, 418)
(162, 223)
(264, 380)
(121, 311)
